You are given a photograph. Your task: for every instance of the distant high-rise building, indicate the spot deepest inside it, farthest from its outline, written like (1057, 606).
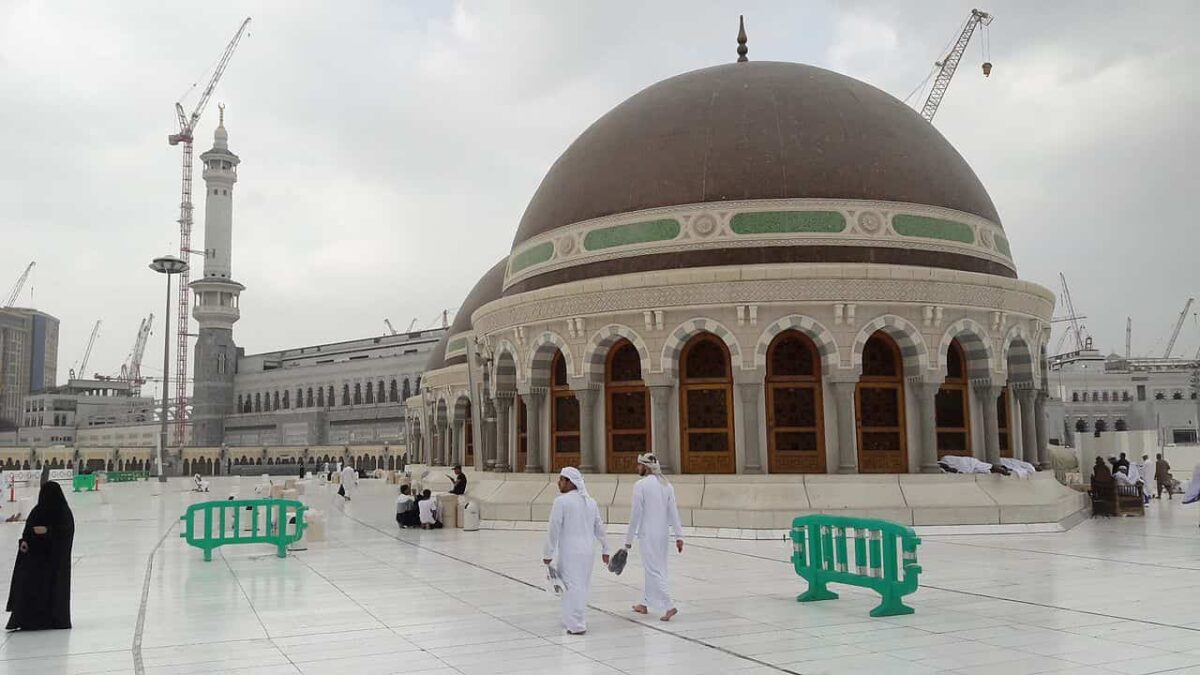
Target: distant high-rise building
(28, 359)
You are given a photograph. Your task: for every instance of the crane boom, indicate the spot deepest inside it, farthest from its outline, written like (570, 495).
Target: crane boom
(1178, 325)
(133, 367)
(1070, 306)
(87, 353)
(187, 129)
(1128, 335)
(950, 64)
(16, 289)
(389, 326)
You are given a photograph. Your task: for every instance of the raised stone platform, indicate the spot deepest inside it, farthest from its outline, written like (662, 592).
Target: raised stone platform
(771, 502)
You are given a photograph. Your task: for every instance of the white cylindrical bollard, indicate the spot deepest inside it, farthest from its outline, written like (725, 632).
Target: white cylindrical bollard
(471, 516)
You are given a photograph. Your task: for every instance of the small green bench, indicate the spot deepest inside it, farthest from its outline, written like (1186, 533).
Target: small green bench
(125, 476)
(884, 558)
(208, 525)
(84, 481)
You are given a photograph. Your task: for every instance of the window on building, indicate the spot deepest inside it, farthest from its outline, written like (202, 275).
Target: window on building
(407, 392)
(1124, 396)
(345, 394)
(393, 394)
(1121, 425)
(258, 403)
(286, 402)
(357, 393)
(320, 397)
(1075, 397)
(221, 364)
(1160, 396)
(370, 393)
(1081, 426)
(1178, 396)
(379, 391)
(1141, 392)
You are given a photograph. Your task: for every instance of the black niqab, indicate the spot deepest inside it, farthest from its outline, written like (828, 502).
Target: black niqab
(40, 594)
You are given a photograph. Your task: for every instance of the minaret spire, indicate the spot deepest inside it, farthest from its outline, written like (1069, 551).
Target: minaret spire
(221, 109)
(742, 49)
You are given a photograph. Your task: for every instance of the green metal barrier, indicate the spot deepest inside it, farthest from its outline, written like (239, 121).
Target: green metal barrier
(125, 476)
(208, 525)
(881, 550)
(84, 482)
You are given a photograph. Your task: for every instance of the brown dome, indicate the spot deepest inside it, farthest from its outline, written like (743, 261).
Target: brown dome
(485, 290)
(757, 130)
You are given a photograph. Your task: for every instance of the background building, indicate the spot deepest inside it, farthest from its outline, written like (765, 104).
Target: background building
(28, 359)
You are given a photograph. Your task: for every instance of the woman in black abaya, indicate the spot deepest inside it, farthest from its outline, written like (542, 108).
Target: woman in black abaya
(40, 594)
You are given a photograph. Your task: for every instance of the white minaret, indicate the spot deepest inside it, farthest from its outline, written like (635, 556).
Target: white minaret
(216, 297)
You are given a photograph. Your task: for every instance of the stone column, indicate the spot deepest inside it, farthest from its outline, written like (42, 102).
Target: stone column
(749, 393)
(926, 393)
(533, 435)
(587, 442)
(503, 404)
(1025, 401)
(443, 443)
(1040, 432)
(487, 436)
(458, 444)
(987, 395)
(843, 396)
(660, 433)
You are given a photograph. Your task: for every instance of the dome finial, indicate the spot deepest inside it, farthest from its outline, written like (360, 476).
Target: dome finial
(221, 112)
(742, 50)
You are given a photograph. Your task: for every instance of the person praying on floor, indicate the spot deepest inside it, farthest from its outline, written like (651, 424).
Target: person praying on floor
(1192, 493)
(960, 464)
(575, 526)
(1023, 469)
(652, 519)
(40, 594)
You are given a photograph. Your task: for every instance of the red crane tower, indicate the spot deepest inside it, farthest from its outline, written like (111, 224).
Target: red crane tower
(187, 126)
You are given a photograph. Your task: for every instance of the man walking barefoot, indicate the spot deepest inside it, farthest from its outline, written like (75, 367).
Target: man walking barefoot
(653, 515)
(575, 525)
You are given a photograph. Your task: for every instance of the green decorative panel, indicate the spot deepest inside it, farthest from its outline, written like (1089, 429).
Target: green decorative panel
(933, 228)
(456, 344)
(633, 233)
(534, 255)
(1002, 246)
(783, 222)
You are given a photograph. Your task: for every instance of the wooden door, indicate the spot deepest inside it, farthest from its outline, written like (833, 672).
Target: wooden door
(706, 406)
(952, 407)
(795, 416)
(626, 408)
(564, 418)
(879, 405)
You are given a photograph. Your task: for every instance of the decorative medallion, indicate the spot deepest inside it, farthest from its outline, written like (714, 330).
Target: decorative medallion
(985, 239)
(704, 225)
(870, 222)
(566, 246)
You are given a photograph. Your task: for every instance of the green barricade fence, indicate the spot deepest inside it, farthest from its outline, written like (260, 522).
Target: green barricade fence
(208, 525)
(84, 482)
(125, 476)
(883, 558)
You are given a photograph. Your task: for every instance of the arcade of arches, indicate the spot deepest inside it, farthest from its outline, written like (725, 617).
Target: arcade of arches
(710, 419)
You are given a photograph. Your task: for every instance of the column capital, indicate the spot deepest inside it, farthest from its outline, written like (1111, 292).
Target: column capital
(843, 376)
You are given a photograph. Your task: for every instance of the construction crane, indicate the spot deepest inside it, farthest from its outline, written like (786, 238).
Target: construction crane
(411, 324)
(87, 353)
(1076, 329)
(389, 326)
(187, 128)
(948, 65)
(1178, 325)
(1128, 336)
(16, 289)
(131, 370)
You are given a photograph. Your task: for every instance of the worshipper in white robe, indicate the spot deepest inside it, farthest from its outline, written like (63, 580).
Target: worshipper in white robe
(1192, 493)
(652, 519)
(349, 482)
(575, 526)
(1122, 476)
(960, 464)
(1021, 468)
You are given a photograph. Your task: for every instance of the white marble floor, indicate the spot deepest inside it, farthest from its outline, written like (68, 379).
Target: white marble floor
(1108, 596)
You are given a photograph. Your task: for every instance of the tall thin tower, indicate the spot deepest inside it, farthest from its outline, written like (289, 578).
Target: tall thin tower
(217, 297)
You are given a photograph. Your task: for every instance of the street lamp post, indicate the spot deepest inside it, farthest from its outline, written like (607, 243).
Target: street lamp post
(166, 265)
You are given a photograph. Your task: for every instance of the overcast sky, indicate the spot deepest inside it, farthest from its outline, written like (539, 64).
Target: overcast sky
(389, 148)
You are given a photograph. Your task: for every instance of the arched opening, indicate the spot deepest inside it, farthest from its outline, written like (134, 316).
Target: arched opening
(952, 406)
(522, 435)
(1121, 425)
(706, 406)
(1004, 423)
(308, 398)
(346, 394)
(358, 393)
(320, 397)
(1081, 426)
(1101, 426)
(795, 419)
(564, 418)
(468, 435)
(370, 392)
(407, 389)
(627, 408)
(879, 401)
(393, 392)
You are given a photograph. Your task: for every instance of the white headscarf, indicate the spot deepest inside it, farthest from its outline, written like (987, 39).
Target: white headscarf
(650, 461)
(572, 474)
(1193, 490)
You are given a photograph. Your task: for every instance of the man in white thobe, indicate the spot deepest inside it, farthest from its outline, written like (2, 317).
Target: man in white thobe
(349, 482)
(652, 519)
(575, 526)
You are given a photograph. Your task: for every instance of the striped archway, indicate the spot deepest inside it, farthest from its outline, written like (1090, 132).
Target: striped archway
(826, 346)
(691, 328)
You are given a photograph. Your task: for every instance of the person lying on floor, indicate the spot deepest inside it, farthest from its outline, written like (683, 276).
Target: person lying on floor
(1021, 468)
(959, 464)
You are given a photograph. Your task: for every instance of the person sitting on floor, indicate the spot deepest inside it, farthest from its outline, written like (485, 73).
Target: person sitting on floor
(201, 484)
(406, 509)
(960, 464)
(428, 511)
